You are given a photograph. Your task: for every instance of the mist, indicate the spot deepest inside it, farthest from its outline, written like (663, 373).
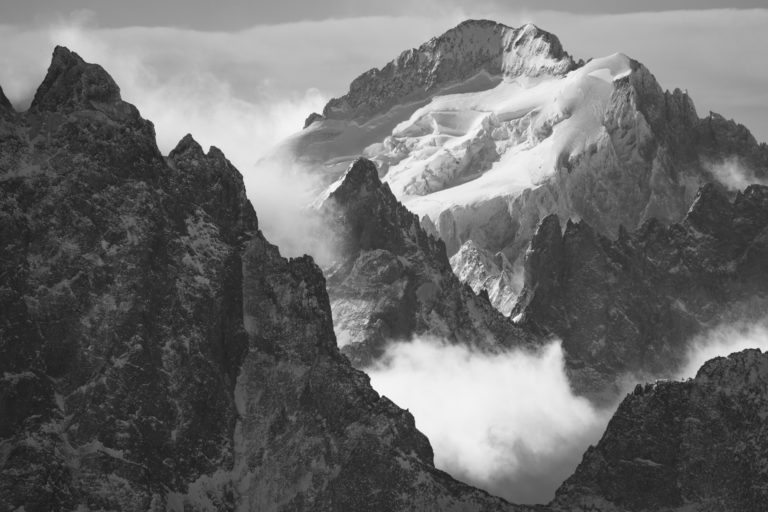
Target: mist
(508, 423)
(733, 174)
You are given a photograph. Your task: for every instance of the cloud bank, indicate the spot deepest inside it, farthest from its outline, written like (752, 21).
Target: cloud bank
(508, 423)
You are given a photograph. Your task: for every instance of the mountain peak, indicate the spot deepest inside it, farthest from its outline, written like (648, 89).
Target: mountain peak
(71, 84)
(361, 178)
(187, 146)
(471, 49)
(64, 57)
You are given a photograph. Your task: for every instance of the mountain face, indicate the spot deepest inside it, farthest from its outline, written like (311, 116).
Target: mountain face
(156, 352)
(484, 131)
(695, 445)
(393, 281)
(630, 305)
(488, 273)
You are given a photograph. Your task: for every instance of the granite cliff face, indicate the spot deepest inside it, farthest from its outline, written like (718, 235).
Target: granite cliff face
(156, 352)
(393, 281)
(698, 445)
(630, 305)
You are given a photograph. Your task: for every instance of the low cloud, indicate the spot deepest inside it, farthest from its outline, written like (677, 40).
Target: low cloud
(732, 173)
(507, 423)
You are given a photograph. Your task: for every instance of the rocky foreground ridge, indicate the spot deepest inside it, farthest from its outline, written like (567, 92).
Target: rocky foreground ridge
(157, 353)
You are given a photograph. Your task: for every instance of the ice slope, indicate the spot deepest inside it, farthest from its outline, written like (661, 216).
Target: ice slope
(466, 149)
(474, 56)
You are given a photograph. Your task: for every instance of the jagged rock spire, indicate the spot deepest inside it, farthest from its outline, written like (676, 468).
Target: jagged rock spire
(71, 83)
(361, 177)
(187, 146)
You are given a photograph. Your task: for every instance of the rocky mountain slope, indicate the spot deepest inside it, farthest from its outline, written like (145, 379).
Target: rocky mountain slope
(486, 129)
(156, 352)
(630, 305)
(393, 281)
(698, 445)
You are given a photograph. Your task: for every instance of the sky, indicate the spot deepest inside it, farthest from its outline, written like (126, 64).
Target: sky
(239, 14)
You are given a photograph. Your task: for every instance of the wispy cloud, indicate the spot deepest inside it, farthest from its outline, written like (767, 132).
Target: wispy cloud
(732, 173)
(508, 423)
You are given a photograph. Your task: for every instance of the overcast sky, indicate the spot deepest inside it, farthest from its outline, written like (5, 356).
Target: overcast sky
(239, 14)
(242, 75)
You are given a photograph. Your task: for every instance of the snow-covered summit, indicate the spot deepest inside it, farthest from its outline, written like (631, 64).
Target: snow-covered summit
(487, 129)
(478, 51)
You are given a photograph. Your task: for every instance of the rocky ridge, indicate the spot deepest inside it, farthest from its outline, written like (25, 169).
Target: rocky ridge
(393, 281)
(682, 446)
(156, 352)
(630, 305)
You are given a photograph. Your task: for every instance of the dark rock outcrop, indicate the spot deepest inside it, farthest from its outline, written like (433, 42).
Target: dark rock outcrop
(156, 352)
(393, 281)
(630, 305)
(699, 445)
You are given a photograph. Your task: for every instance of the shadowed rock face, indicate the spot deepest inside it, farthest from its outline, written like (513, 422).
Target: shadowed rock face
(630, 305)
(393, 281)
(156, 352)
(695, 445)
